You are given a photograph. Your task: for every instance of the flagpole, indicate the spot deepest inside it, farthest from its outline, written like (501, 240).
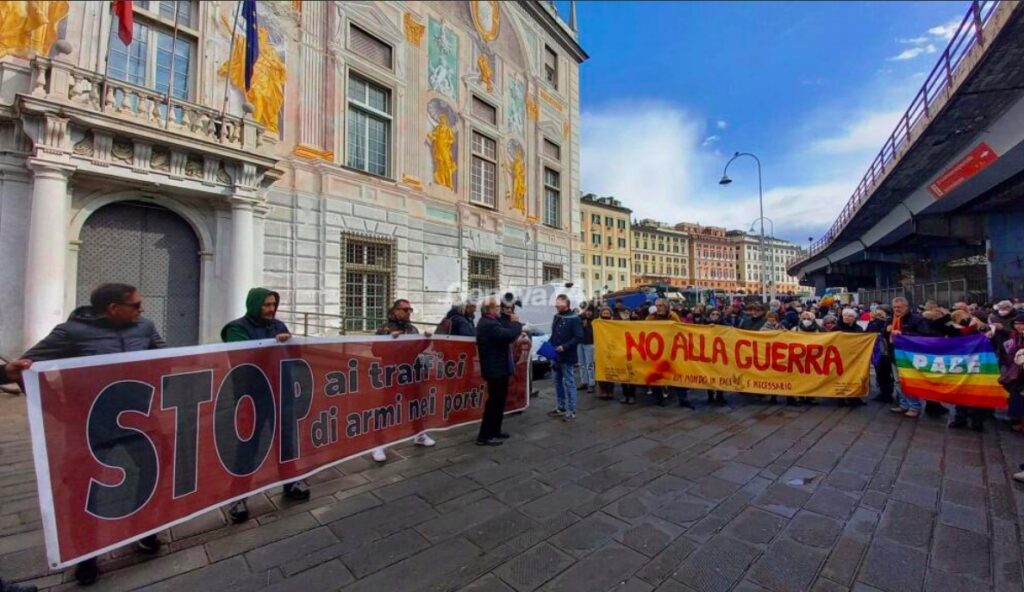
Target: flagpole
(106, 61)
(170, 80)
(227, 73)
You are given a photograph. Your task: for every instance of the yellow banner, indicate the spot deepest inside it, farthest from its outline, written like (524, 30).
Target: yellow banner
(722, 358)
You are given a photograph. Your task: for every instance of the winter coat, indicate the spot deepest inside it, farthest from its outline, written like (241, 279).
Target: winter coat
(566, 331)
(1001, 335)
(772, 326)
(88, 334)
(494, 339)
(750, 323)
(790, 319)
(844, 328)
(588, 331)
(393, 324)
(460, 324)
(814, 328)
(252, 325)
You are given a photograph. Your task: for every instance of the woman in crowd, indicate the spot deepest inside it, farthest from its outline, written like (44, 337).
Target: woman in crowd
(606, 390)
(883, 359)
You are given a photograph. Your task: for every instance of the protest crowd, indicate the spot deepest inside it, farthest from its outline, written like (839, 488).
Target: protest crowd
(113, 323)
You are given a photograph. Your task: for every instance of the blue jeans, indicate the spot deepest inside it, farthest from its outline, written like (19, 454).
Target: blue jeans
(585, 351)
(912, 403)
(565, 387)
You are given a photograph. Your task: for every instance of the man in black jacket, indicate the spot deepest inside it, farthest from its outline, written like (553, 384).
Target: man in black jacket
(112, 323)
(494, 338)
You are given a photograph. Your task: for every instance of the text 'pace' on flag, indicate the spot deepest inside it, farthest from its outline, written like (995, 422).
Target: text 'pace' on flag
(954, 370)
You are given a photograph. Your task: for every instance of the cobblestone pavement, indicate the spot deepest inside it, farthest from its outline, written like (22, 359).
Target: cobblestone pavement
(749, 497)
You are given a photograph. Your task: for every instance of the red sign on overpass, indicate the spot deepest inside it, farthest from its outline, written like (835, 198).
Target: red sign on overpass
(976, 161)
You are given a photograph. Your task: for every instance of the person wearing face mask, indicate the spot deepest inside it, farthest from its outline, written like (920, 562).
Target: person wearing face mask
(807, 324)
(883, 365)
(755, 318)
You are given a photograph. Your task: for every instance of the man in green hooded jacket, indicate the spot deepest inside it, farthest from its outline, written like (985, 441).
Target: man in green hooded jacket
(260, 322)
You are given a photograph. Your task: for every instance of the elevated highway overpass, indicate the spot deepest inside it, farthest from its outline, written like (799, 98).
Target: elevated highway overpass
(944, 198)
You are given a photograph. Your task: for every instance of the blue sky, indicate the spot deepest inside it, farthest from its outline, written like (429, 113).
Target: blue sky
(672, 89)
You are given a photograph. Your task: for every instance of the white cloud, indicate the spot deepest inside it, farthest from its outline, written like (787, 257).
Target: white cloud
(656, 159)
(711, 140)
(721, 124)
(912, 52)
(866, 131)
(947, 30)
(914, 41)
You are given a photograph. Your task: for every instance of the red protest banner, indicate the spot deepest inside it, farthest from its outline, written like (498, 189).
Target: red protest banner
(127, 445)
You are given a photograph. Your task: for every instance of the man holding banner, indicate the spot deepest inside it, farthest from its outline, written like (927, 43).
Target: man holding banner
(260, 322)
(111, 323)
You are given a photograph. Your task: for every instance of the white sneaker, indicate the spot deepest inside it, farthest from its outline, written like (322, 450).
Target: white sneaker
(424, 440)
(379, 456)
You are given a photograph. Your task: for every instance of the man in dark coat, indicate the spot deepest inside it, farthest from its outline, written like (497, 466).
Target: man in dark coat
(459, 320)
(566, 334)
(260, 322)
(494, 338)
(754, 319)
(400, 323)
(112, 323)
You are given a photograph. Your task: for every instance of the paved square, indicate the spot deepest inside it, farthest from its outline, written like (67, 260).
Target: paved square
(746, 497)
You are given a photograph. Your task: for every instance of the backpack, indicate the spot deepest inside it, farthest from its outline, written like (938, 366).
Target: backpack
(444, 327)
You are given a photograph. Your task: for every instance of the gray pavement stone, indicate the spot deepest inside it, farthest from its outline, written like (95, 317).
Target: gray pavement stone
(420, 570)
(228, 576)
(813, 529)
(650, 537)
(501, 528)
(153, 571)
(964, 518)
(243, 541)
(756, 526)
(331, 575)
(562, 499)
(529, 570)
(488, 583)
(907, 524)
(785, 500)
(601, 570)
(717, 565)
(665, 563)
(714, 489)
(938, 581)
(370, 557)
(346, 507)
(683, 510)
(588, 534)
(519, 492)
(787, 566)
(892, 567)
(844, 560)
(286, 550)
(961, 552)
(832, 502)
(451, 523)
(736, 472)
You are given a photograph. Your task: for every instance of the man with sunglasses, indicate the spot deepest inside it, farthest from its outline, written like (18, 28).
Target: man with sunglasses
(111, 323)
(400, 323)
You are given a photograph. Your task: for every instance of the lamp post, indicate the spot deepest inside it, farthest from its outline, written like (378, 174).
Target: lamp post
(760, 201)
(771, 236)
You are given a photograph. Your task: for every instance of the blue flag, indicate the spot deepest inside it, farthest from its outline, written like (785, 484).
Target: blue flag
(252, 39)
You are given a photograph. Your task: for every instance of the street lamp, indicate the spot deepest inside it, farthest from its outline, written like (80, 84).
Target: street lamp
(760, 200)
(771, 234)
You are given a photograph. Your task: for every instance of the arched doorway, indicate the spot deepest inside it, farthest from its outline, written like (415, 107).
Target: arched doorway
(150, 247)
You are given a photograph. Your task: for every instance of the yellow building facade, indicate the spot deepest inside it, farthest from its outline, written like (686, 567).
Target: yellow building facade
(661, 254)
(606, 244)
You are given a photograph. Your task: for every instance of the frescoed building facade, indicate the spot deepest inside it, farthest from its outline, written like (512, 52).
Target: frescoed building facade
(383, 149)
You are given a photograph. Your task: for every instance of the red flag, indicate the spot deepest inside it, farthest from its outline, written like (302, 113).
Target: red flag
(123, 10)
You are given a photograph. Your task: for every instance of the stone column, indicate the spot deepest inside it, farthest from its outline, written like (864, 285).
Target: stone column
(240, 275)
(47, 250)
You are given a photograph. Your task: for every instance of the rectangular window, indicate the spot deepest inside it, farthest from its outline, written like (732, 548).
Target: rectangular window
(596, 239)
(596, 259)
(484, 111)
(552, 150)
(609, 222)
(622, 243)
(552, 273)
(484, 177)
(622, 262)
(155, 50)
(595, 219)
(483, 274)
(369, 126)
(622, 224)
(367, 271)
(609, 261)
(551, 66)
(552, 198)
(369, 47)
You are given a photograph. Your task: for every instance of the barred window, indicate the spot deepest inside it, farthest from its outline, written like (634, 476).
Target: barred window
(552, 273)
(552, 198)
(483, 274)
(483, 186)
(367, 269)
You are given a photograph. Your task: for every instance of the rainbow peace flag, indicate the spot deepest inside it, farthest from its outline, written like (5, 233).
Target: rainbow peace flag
(956, 370)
